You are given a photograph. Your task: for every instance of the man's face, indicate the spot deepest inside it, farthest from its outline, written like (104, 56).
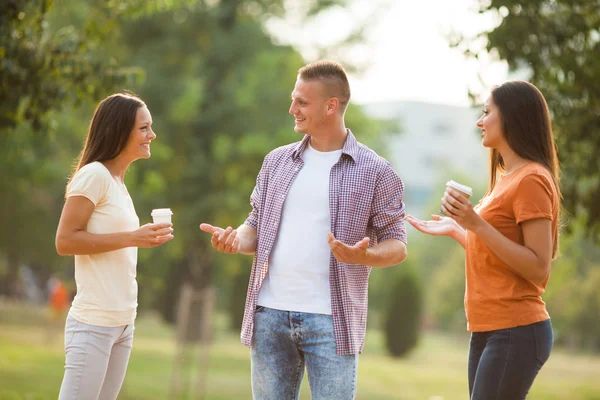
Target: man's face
(309, 106)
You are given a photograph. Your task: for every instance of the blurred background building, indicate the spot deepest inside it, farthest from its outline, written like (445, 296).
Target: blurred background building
(435, 143)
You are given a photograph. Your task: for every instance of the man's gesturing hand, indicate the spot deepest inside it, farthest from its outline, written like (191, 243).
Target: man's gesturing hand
(356, 254)
(224, 240)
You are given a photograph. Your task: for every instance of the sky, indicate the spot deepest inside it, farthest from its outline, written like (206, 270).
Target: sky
(406, 55)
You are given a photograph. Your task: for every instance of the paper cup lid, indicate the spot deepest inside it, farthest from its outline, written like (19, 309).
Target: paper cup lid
(157, 212)
(458, 186)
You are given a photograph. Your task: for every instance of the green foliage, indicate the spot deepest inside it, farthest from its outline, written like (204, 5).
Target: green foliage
(218, 88)
(572, 296)
(238, 299)
(442, 262)
(220, 98)
(402, 325)
(447, 292)
(44, 69)
(558, 42)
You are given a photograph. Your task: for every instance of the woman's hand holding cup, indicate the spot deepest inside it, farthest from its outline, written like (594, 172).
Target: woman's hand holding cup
(152, 235)
(456, 205)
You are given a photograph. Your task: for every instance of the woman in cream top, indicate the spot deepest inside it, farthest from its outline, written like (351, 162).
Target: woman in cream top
(100, 227)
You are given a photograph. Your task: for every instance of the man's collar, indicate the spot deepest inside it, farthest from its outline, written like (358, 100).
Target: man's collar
(350, 146)
(299, 149)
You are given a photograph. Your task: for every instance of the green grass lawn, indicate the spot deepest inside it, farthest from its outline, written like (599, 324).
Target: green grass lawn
(32, 369)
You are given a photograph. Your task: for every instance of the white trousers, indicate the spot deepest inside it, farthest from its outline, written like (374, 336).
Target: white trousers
(96, 360)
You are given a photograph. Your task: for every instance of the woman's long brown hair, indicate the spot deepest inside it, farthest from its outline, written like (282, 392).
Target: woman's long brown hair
(527, 129)
(109, 129)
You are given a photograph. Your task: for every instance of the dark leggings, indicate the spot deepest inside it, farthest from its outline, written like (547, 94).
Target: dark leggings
(504, 363)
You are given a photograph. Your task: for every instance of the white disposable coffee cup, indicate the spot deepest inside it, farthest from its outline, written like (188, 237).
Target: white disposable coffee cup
(467, 191)
(162, 215)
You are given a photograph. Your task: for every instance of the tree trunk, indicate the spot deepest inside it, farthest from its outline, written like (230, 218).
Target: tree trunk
(200, 269)
(237, 299)
(9, 285)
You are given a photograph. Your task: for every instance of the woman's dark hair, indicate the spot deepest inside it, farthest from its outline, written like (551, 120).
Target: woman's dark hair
(110, 128)
(527, 129)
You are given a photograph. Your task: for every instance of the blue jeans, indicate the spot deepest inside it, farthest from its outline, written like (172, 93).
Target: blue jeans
(284, 342)
(504, 363)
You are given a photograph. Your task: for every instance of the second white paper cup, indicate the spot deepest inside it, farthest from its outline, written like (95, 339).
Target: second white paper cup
(162, 215)
(467, 191)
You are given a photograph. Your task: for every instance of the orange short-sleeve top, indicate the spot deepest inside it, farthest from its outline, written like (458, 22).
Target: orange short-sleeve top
(496, 296)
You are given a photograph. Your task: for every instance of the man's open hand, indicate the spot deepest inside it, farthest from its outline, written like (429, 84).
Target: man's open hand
(356, 254)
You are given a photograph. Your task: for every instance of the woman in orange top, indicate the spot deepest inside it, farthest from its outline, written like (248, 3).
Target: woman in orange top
(510, 239)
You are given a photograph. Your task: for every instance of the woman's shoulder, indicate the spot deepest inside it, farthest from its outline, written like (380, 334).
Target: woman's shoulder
(95, 166)
(533, 178)
(94, 173)
(93, 169)
(91, 181)
(534, 171)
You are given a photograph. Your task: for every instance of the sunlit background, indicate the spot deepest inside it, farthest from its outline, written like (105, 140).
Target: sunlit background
(217, 76)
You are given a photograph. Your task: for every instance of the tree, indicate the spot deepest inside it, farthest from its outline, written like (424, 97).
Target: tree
(218, 88)
(403, 319)
(46, 65)
(220, 96)
(447, 292)
(572, 295)
(558, 42)
(39, 72)
(217, 85)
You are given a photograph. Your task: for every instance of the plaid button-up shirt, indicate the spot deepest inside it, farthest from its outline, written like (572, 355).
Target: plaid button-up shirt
(365, 199)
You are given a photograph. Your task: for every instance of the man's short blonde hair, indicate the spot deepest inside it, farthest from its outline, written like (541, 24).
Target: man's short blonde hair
(332, 75)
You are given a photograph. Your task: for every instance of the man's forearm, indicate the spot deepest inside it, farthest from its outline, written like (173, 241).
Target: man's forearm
(385, 254)
(247, 237)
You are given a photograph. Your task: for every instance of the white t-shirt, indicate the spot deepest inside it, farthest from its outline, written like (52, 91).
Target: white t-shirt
(106, 284)
(298, 276)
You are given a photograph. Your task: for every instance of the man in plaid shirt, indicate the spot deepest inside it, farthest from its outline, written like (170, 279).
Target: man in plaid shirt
(324, 211)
